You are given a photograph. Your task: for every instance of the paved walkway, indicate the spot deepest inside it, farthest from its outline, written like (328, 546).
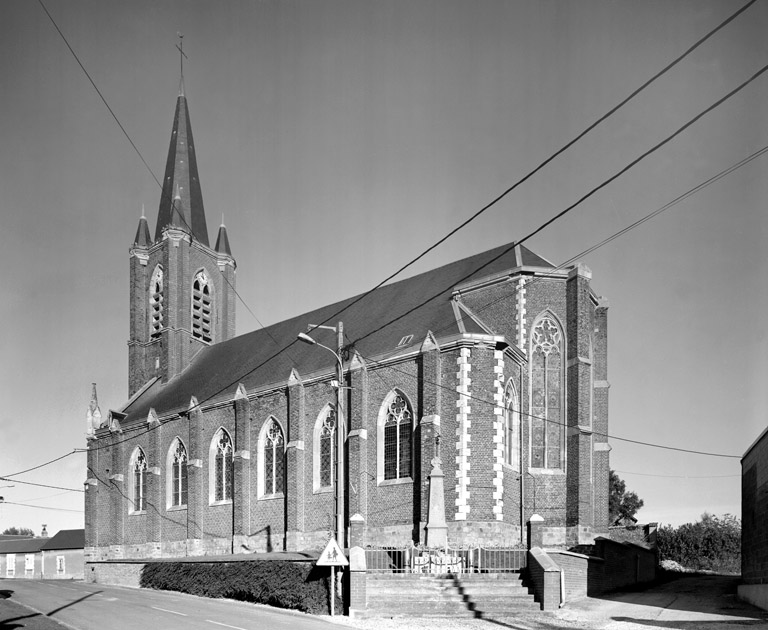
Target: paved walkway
(688, 603)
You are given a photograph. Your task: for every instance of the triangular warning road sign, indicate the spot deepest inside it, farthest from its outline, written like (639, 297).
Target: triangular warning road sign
(332, 556)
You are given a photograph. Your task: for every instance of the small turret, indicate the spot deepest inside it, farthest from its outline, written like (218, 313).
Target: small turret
(142, 239)
(222, 240)
(93, 415)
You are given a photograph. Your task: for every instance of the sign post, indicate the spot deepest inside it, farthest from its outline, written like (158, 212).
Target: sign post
(333, 557)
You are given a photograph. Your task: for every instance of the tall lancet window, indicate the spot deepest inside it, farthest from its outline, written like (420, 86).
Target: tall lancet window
(511, 428)
(222, 451)
(156, 303)
(398, 430)
(177, 459)
(273, 458)
(327, 447)
(547, 404)
(202, 302)
(139, 475)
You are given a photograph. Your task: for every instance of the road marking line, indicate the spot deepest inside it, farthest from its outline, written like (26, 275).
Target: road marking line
(226, 625)
(173, 612)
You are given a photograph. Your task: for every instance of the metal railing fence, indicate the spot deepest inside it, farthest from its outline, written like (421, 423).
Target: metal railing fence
(445, 560)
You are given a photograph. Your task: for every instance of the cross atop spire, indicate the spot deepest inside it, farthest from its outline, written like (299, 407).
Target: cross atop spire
(182, 56)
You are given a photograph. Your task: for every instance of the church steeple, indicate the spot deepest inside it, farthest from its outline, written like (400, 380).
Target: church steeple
(181, 203)
(222, 240)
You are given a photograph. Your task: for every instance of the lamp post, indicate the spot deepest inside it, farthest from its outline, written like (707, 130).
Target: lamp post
(339, 330)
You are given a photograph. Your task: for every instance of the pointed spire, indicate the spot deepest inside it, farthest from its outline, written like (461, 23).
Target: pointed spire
(222, 240)
(142, 238)
(93, 415)
(181, 202)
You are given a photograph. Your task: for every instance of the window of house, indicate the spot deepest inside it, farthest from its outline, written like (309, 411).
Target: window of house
(202, 307)
(29, 563)
(396, 436)
(60, 565)
(139, 478)
(177, 467)
(221, 470)
(511, 427)
(156, 303)
(273, 459)
(547, 395)
(10, 564)
(324, 449)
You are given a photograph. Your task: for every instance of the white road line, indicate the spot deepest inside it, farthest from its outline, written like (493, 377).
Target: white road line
(226, 625)
(173, 612)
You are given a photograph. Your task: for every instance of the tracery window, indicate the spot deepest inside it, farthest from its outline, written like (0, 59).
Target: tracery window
(274, 460)
(327, 448)
(156, 302)
(139, 475)
(398, 430)
(222, 452)
(547, 400)
(511, 427)
(202, 301)
(178, 474)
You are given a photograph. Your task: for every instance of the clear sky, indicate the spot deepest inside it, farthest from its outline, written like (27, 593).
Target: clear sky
(339, 139)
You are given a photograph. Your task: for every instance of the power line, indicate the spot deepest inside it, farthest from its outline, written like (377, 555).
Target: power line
(594, 190)
(42, 507)
(565, 147)
(41, 485)
(21, 472)
(626, 472)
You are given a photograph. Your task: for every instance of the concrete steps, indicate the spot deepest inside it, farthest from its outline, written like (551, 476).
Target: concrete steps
(464, 596)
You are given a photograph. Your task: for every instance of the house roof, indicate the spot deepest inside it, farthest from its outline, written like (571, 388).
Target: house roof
(374, 326)
(66, 539)
(25, 545)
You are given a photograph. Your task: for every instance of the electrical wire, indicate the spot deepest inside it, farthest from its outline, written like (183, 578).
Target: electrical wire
(41, 485)
(42, 507)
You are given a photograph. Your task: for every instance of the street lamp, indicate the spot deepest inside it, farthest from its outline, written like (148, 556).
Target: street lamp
(339, 330)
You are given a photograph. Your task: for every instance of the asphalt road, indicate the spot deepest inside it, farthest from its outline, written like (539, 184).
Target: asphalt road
(99, 607)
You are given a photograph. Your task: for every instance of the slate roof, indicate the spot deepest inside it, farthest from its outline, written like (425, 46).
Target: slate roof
(66, 539)
(252, 359)
(181, 176)
(26, 545)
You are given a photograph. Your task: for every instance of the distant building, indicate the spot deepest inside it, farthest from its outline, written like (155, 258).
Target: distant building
(21, 557)
(492, 368)
(63, 555)
(754, 523)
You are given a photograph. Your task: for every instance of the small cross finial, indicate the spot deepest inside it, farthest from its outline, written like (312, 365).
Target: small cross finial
(182, 56)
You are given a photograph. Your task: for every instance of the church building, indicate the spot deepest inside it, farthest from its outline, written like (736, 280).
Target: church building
(484, 380)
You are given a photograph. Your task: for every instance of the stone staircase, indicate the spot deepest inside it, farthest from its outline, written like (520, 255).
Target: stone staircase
(470, 595)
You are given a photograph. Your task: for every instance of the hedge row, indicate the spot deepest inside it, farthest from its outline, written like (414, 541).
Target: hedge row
(293, 585)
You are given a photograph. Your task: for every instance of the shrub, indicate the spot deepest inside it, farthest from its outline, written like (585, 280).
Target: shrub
(711, 544)
(293, 585)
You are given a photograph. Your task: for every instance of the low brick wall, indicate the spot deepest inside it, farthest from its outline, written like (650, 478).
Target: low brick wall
(583, 575)
(544, 577)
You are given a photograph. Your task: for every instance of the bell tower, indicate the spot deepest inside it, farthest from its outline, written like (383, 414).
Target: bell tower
(182, 291)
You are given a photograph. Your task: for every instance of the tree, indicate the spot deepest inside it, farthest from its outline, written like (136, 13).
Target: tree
(622, 505)
(712, 544)
(18, 531)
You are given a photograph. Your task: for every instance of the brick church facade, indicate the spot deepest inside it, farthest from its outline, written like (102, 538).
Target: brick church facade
(492, 369)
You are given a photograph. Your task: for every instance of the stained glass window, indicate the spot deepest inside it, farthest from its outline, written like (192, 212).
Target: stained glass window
(398, 429)
(223, 467)
(547, 418)
(273, 458)
(327, 448)
(139, 481)
(179, 474)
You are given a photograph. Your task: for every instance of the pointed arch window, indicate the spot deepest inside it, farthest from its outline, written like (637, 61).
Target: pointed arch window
(273, 450)
(547, 394)
(202, 306)
(221, 467)
(397, 438)
(156, 302)
(511, 428)
(177, 477)
(139, 480)
(325, 451)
